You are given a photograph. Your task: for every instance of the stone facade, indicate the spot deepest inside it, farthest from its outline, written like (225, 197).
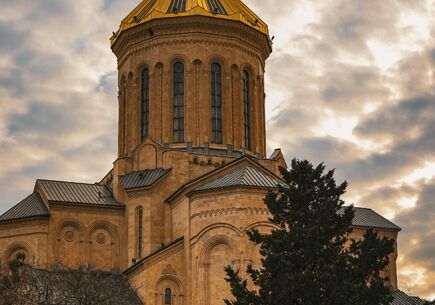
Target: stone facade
(169, 233)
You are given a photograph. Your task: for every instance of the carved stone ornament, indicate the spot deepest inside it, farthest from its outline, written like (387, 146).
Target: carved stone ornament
(69, 236)
(101, 238)
(169, 270)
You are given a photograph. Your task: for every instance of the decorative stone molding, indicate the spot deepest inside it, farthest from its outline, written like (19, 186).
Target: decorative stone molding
(230, 211)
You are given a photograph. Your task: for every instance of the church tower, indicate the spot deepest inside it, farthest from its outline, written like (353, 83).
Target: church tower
(191, 74)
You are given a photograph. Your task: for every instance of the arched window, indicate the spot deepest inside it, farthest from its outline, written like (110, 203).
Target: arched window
(145, 102)
(139, 231)
(246, 111)
(124, 119)
(216, 103)
(178, 104)
(168, 296)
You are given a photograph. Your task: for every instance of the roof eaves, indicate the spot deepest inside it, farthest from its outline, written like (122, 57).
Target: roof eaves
(42, 217)
(238, 186)
(102, 205)
(398, 229)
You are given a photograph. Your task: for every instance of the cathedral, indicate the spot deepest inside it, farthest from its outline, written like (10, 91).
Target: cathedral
(192, 168)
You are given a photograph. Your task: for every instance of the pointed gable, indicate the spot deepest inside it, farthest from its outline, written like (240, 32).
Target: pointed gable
(31, 206)
(244, 176)
(244, 171)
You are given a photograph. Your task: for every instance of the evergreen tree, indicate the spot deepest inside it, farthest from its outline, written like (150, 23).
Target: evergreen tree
(309, 259)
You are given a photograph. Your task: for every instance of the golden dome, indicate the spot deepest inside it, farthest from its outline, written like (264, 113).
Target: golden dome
(224, 9)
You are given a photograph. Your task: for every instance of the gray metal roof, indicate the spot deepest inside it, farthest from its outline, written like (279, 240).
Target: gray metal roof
(31, 206)
(245, 176)
(401, 298)
(142, 179)
(72, 192)
(365, 217)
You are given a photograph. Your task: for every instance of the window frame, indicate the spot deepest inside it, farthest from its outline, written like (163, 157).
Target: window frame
(247, 140)
(139, 217)
(216, 103)
(167, 296)
(145, 103)
(178, 102)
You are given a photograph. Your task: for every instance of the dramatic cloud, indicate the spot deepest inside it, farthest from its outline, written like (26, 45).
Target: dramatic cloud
(350, 83)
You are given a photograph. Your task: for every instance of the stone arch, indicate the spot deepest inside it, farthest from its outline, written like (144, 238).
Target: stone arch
(18, 247)
(184, 60)
(253, 256)
(250, 69)
(102, 239)
(216, 58)
(203, 234)
(217, 252)
(147, 158)
(141, 66)
(122, 80)
(172, 282)
(69, 243)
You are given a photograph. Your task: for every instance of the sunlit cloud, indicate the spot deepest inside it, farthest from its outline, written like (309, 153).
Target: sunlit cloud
(350, 83)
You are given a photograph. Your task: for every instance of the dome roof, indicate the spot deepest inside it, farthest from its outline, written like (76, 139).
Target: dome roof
(223, 9)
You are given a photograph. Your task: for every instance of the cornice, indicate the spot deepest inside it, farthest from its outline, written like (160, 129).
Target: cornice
(25, 222)
(85, 208)
(193, 25)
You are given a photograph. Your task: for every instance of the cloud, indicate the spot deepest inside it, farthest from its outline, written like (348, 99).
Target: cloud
(350, 83)
(419, 232)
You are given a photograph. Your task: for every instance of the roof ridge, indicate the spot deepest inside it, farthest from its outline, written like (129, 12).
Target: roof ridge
(72, 182)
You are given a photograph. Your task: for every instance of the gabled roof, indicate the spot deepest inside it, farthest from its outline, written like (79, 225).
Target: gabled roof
(365, 217)
(243, 161)
(73, 192)
(31, 206)
(244, 176)
(143, 178)
(401, 298)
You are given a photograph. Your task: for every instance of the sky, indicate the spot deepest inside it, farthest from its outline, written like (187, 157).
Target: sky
(350, 83)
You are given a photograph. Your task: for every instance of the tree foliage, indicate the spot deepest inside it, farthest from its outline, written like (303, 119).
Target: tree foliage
(22, 283)
(309, 258)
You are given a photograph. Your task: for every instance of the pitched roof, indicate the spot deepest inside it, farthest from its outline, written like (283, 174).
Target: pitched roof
(365, 217)
(31, 206)
(245, 176)
(143, 178)
(401, 298)
(72, 192)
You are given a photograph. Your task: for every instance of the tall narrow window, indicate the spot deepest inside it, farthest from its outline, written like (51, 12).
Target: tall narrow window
(145, 102)
(216, 103)
(168, 296)
(246, 111)
(139, 231)
(178, 104)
